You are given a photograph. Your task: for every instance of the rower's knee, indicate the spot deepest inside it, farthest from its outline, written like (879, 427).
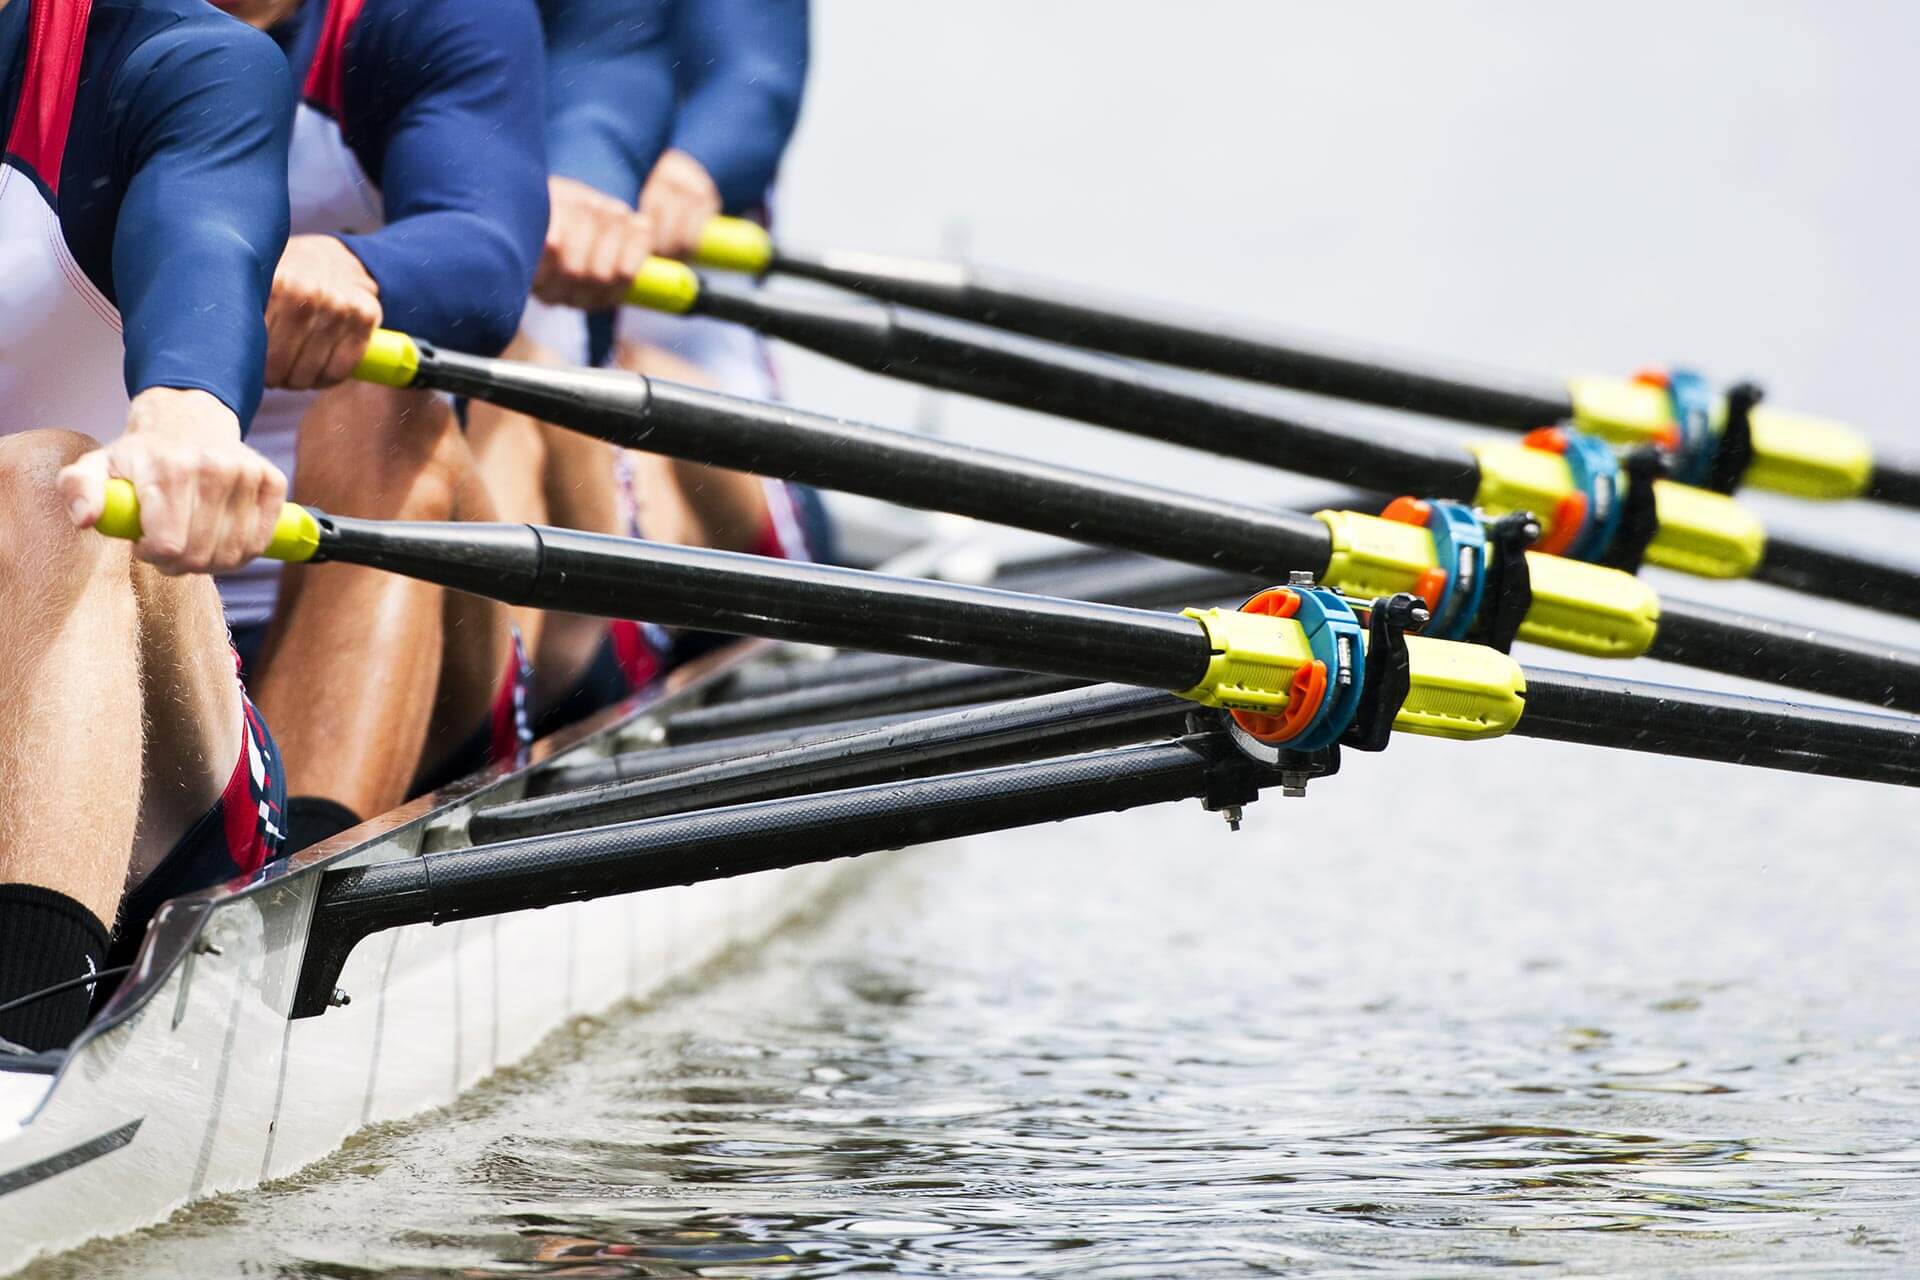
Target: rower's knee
(381, 452)
(40, 547)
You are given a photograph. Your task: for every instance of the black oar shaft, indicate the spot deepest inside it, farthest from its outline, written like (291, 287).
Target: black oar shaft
(1129, 327)
(777, 599)
(979, 362)
(1727, 727)
(549, 870)
(1841, 574)
(1055, 724)
(1783, 652)
(958, 357)
(1895, 483)
(771, 440)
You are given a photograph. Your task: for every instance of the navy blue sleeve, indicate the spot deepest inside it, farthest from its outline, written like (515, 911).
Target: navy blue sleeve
(743, 65)
(610, 90)
(452, 93)
(203, 111)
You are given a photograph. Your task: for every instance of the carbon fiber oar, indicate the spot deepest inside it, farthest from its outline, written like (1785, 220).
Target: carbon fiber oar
(1581, 607)
(1786, 452)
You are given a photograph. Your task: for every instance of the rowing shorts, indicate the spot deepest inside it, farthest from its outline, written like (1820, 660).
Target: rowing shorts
(507, 736)
(235, 838)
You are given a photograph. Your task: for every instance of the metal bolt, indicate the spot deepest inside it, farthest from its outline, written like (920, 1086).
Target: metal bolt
(339, 999)
(1293, 784)
(1232, 814)
(1300, 578)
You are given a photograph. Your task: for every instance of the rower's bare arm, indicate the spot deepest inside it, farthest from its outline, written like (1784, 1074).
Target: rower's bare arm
(208, 503)
(323, 311)
(595, 246)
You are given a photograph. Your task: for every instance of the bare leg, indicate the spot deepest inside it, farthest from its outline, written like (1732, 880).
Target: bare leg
(728, 508)
(119, 712)
(477, 645)
(71, 739)
(352, 665)
(511, 450)
(542, 474)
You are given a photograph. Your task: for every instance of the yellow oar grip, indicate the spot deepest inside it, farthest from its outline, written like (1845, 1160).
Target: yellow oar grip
(392, 360)
(665, 285)
(295, 537)
(734, 244)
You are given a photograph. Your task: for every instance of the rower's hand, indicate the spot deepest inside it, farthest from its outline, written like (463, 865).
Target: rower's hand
(595, 247)
(321, 316)
(680, 199)
(208, 503)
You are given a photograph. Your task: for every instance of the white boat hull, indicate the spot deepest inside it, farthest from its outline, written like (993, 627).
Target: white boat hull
(209, 1086)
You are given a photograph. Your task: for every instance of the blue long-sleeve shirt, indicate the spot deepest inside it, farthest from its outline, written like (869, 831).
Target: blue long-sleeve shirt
(173, 190)
(442, 103)
(610, 90)
(718, 79)
(741, 72)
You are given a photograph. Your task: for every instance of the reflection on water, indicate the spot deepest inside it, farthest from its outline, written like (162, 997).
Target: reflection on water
(1253, 1057)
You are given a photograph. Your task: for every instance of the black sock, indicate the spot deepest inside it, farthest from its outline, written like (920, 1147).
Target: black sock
(46, 938)
(311, 819)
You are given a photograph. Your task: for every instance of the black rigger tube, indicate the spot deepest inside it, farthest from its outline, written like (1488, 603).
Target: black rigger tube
(720, 843)
(710, 844)
(999, 733)
(720, 430)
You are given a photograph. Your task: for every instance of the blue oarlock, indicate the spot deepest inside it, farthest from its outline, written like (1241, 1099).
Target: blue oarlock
(1334, 633)
(1460, 547)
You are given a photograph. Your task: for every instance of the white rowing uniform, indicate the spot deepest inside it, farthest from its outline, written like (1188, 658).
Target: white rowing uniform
(60, 346)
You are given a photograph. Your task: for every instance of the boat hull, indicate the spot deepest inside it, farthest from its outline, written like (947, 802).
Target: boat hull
(206, 1085)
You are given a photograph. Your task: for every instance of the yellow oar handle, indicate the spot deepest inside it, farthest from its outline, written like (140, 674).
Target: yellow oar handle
(392, 360)
(295, 538)
(734, 244)
(665, 285)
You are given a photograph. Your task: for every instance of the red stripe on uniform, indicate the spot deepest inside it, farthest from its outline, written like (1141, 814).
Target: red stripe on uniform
(327, 75)
(240, 803)
(56, 39)
(512, 727)
(638, 660)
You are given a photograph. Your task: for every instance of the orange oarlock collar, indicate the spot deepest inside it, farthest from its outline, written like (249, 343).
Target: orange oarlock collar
(1432, 584)
(1307, 691)
(1570, 513)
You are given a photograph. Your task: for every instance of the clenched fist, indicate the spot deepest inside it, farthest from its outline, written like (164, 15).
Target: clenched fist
(207, 502)
(321, 316)
(595, 247)
(680, 200)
